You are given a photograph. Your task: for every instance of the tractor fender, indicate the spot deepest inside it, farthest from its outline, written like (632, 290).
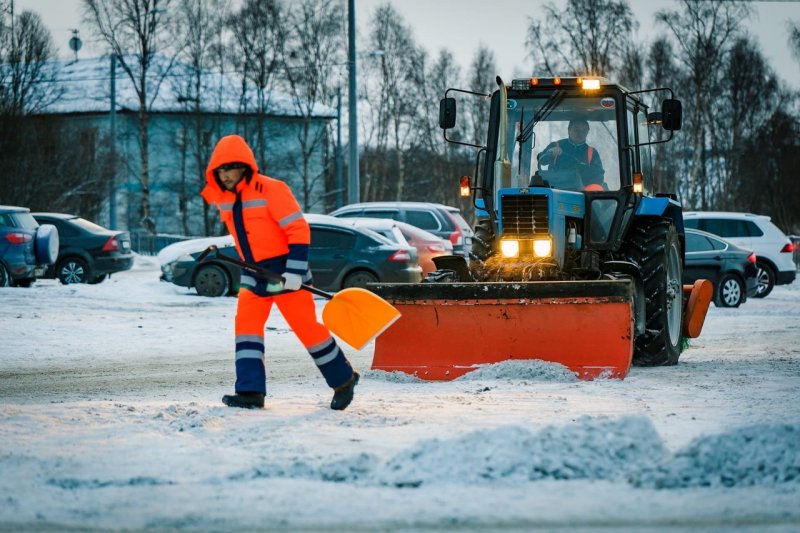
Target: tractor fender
(665, 207)
(480, 208)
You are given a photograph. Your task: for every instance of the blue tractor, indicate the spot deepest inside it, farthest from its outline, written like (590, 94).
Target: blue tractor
(575, 260)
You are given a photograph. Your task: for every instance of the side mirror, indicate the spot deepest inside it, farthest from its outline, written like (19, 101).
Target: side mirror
(447, 113)
(671, 112)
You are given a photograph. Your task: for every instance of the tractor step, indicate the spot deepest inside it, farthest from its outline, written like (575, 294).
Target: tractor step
(448, 329)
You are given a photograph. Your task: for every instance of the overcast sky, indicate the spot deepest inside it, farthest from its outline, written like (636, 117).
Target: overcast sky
(460, 25)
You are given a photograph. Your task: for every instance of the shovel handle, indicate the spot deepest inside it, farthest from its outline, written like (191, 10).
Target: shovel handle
(258, 270)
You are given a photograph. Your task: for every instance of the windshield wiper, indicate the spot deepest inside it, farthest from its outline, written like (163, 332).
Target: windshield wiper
(541, 114)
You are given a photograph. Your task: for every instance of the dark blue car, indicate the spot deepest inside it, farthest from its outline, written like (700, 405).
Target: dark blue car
(87, 253)
(26, 248)
(340, 256)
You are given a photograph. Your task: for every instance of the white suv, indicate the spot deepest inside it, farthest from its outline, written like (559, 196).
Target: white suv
(774, 250)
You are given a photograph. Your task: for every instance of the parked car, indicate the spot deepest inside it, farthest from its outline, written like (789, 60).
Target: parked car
(443, 221)
(730, 268)
(26, 248)
(87, 252)
(773, 248)
(340, 256)
(427, 244)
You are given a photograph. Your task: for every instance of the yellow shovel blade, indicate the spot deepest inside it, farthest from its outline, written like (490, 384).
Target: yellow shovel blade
(357, 316)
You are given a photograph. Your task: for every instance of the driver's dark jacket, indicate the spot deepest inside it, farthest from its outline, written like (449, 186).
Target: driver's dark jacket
(579, 160)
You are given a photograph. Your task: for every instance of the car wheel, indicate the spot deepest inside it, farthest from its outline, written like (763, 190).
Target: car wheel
(211, 280)
(5, 276)
(72, 270)
(98, 279)
(730, 292)
(360, 278)
(766, 279)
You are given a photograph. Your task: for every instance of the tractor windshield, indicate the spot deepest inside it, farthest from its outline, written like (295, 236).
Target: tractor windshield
(571, 141)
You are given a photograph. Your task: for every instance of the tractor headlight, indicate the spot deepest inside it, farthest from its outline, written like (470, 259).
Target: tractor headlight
(542, 247)
(509, 248)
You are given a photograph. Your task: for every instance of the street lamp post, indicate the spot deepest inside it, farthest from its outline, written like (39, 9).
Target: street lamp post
(338, 158)
(353, 184)
(112, 186)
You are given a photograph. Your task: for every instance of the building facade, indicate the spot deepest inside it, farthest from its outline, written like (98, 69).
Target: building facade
(289, 144)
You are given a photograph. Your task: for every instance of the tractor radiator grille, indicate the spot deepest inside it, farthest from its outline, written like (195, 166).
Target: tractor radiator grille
(525, 215)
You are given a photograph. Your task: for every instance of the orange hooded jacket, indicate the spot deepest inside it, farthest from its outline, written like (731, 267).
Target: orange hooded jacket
(262, 214)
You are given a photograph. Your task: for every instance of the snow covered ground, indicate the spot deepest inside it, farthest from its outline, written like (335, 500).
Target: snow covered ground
(110, 419)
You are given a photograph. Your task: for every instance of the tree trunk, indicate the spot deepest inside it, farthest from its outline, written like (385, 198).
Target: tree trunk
(147, 221)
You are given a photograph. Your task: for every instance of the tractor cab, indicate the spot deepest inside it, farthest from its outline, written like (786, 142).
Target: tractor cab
(578, 145)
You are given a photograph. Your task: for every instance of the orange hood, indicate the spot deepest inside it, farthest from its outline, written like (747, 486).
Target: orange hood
(229, 149)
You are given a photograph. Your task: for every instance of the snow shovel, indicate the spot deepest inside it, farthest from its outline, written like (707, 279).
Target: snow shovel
(354, 315)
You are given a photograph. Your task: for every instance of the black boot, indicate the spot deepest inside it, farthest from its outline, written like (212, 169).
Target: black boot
(247, 400)
(343, 394)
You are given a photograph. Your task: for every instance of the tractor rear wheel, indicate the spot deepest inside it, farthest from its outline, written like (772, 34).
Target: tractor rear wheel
(653, 245)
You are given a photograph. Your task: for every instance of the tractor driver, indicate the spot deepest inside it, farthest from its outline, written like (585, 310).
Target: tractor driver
(571, 162)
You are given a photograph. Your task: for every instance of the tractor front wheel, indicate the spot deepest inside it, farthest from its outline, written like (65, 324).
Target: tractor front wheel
(483, 240)
(653, 245)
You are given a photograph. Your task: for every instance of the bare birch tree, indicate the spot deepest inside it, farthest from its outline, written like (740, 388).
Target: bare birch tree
(26, 47)
(743, 106)
(586, 37)
(704, 32)
(197, 21)
(392, 35)
(134, 31)
(662, 71)
(315, 39)
(258, 55)
(480, 79)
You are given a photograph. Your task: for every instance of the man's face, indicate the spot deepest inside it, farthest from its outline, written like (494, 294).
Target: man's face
(230, 177)
(578, 132)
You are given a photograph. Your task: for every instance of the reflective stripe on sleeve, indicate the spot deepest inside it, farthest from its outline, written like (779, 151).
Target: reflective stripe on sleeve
(261, 202)
(299, 266)
(285, 221)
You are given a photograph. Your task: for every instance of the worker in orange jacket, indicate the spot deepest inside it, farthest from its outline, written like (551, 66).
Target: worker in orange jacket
(269, 231)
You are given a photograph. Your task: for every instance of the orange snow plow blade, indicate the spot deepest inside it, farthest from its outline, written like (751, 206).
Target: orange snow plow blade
(699, 298)
(446, 330)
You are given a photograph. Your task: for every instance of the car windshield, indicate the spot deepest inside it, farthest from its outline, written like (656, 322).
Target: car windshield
(551, 136)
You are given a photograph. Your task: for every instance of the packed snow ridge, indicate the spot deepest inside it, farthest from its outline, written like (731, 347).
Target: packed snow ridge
(596, 449)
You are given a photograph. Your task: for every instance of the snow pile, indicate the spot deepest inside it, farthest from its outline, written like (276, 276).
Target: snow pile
(590, 449)
(531, 370)
(523, 370)
(750, 456)
(392, 377)
(593, 449)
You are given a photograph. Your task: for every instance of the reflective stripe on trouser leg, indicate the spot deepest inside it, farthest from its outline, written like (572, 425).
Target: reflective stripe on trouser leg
(251, 315)
(298, 309)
